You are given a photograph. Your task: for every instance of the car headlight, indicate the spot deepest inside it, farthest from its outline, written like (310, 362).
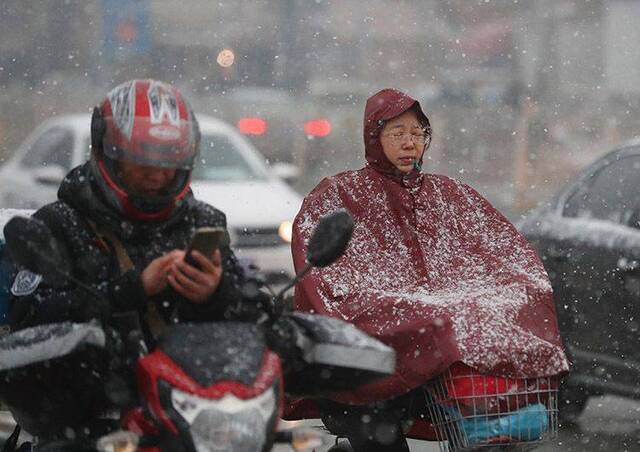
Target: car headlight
(285, 231)
(227, 424)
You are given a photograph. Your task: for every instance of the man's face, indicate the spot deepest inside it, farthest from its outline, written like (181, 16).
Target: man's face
(402, 140)
(145, 180)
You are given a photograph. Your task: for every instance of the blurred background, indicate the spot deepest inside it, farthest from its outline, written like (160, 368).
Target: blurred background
(521, 94)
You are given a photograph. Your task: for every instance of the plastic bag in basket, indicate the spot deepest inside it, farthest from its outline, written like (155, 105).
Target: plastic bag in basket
(526, 424)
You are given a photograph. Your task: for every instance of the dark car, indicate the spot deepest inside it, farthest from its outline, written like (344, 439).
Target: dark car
(589, 241)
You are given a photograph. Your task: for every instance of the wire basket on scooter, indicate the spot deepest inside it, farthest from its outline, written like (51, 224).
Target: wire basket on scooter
(469, 410)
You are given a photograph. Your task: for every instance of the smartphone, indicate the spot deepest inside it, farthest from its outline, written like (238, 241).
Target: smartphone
(206, 241)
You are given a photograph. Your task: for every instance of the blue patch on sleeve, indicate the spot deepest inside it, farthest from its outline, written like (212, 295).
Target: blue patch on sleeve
(26, 283)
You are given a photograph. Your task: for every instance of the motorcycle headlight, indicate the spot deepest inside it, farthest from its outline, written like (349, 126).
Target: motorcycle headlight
(227, 424)
(119, 441)
(285, 231)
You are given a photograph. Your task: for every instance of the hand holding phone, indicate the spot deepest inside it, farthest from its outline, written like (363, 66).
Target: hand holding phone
(205, 240)
(193, 278)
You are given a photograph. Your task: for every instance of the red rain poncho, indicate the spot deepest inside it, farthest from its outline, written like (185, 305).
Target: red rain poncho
(432, 270)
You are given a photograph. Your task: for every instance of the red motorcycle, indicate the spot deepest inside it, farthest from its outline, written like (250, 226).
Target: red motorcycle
(205, 387)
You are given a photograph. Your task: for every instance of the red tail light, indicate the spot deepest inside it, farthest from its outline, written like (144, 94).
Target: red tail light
(252, 126)
(317, 128)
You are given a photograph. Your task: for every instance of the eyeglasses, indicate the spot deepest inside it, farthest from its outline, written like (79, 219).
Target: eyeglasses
(399, 138)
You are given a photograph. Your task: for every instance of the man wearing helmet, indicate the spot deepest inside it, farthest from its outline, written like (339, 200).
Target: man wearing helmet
(134, 194)
(124, 219)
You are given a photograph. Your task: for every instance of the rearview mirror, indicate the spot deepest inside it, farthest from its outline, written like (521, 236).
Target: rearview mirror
(29, 243)
(327, 243)
(330, 238)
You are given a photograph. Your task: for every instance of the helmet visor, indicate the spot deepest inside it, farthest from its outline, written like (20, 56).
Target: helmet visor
(169, 144)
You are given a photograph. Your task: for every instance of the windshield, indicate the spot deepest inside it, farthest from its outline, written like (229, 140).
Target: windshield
(221, 160)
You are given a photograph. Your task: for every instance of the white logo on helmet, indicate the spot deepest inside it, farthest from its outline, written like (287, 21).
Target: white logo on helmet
(163, 105)
(164, 132)
(121, 99)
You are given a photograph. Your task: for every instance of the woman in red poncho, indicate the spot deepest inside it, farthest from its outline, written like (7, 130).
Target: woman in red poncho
(432, 270)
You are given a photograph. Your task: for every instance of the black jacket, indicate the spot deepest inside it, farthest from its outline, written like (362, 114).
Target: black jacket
(73, 391)
(92, 263)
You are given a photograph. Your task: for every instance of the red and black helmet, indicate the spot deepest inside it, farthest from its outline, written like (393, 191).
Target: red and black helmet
(149, 123)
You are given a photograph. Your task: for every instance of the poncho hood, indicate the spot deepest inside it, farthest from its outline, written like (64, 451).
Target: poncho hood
(383, 106)
(435, 272)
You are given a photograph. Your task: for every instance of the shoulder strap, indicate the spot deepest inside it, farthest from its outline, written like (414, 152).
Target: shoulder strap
(154, 319)
(124, 260)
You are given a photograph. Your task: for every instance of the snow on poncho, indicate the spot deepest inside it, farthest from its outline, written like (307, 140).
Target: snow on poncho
(434, 271)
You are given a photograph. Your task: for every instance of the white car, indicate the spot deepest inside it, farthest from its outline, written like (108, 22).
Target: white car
(230, 175)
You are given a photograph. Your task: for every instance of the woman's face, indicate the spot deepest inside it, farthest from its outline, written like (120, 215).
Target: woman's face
(403, 140)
